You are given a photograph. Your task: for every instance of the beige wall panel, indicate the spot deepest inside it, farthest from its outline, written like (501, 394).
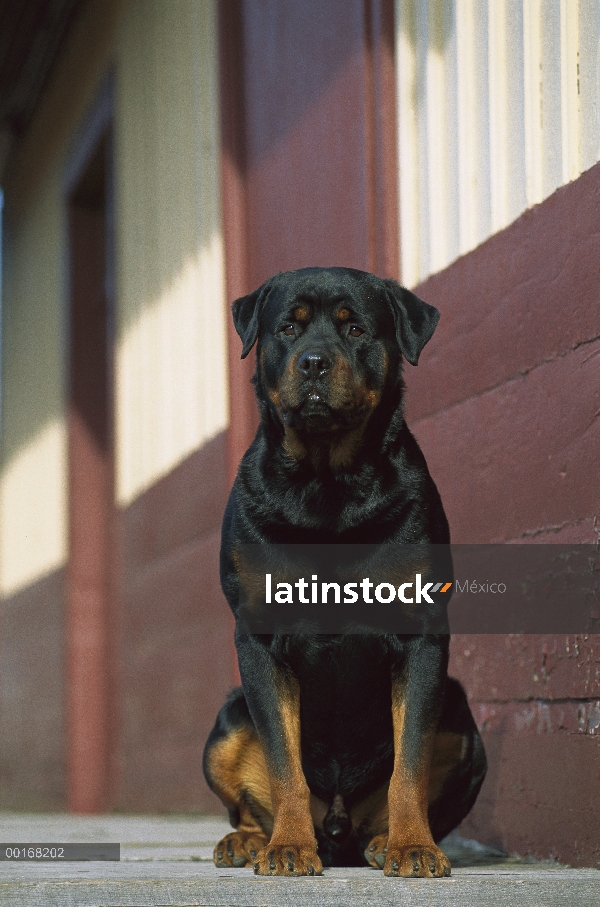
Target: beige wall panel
(427, 135)
(589, 81)
(406, 89)
(570, 90)
(171, 389)
(33, 502)
(532, 78)
(32, 494)
(473, 123)
(514, 130)
(441, 134)
(506, 106)
(552, 112)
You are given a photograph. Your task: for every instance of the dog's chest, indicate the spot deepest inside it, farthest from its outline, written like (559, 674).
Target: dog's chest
(345, 691)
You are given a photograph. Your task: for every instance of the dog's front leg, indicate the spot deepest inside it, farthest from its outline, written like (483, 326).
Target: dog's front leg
(273, 696)
(417, 691)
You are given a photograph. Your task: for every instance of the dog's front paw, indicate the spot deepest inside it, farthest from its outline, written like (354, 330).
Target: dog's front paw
(416, 861)
(288, 860)
(238, 849)
(411, 861)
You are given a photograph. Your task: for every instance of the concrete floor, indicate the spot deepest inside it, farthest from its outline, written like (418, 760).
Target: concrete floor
(168, 861)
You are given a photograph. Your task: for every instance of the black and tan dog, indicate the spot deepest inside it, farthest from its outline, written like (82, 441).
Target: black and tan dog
(338, 748)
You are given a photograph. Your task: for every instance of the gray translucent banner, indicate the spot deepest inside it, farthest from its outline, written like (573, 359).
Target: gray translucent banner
(58, 853)
(408, 589)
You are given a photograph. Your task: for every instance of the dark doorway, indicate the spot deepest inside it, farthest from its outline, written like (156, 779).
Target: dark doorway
(91, 482)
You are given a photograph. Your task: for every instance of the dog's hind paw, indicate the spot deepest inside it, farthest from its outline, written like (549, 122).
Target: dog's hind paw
(376, 851)
(238, 849)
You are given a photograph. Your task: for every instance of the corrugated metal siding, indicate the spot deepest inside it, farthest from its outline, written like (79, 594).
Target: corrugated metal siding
(498, 106)
(171, 388)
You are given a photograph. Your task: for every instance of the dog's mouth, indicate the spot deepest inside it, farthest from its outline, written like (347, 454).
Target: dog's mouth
(314, 414)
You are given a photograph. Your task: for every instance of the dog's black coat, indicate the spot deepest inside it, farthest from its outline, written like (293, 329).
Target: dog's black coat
(333, 461)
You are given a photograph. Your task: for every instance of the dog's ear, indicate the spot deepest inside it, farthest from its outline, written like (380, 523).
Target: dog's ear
(415, 320)
(246, 316)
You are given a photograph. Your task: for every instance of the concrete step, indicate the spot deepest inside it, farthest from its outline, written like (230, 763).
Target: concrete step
(168, 861)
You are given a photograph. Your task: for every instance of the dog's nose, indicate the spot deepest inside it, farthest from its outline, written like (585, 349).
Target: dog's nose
(313, 364)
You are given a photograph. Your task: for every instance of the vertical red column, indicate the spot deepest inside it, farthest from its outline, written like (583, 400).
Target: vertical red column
(242, 405)
(89, 575)
(243, 414)
(309, 164)
(381, 138)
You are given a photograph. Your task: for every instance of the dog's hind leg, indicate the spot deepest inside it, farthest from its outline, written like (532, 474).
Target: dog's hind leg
(235, 769)
(458, 765)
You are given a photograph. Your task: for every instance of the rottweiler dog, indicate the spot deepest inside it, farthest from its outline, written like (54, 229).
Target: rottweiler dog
(346, 748)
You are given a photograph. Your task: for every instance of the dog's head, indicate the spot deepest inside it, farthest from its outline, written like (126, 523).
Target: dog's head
(330, 345)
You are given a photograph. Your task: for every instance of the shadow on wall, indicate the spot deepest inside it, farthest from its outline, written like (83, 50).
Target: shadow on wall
(171, 651)
(481, 824)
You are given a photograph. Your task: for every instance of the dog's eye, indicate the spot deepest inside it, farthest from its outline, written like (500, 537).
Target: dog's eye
(289, 330)
(355, 331)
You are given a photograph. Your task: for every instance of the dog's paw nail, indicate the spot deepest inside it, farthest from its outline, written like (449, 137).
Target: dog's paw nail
(310, 870)
(372, 848)
(446, 870)
(255, 868)
(395, 866)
